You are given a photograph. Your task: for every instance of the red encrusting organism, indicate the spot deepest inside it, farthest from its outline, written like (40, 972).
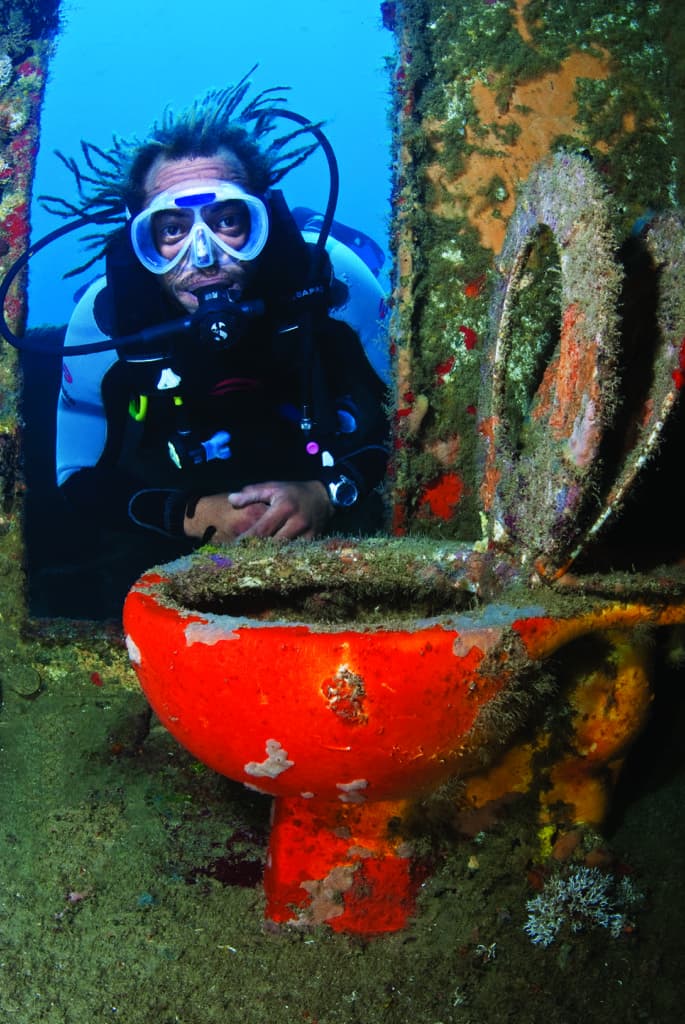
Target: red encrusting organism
(470, 337)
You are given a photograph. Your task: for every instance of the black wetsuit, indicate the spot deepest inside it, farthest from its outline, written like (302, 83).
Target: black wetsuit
(114, 465)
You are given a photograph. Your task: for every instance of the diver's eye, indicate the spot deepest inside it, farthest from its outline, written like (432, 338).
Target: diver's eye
(229, 220)
(169, 228)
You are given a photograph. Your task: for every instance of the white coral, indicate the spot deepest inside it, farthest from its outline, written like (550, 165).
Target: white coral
(6, 70)
(587, 898)
(275, 763)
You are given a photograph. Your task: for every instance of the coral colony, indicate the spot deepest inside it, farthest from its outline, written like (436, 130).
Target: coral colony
(586, 899)
(20, 93)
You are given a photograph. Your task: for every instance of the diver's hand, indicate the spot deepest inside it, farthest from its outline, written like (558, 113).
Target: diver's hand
(293, 509)
(215, 519)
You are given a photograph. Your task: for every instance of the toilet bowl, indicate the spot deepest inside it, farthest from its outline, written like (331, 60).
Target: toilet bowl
(339, 717)
(343, 716)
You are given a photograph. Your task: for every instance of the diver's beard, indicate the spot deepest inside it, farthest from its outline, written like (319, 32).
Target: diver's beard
(231, 278)
(188, 281)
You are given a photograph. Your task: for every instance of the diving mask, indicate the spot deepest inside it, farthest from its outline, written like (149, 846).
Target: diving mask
(198, 217)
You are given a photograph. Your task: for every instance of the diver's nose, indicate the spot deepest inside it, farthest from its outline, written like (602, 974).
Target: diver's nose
(202, 249)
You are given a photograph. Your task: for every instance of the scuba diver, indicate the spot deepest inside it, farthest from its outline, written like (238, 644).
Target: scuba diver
(211, 388)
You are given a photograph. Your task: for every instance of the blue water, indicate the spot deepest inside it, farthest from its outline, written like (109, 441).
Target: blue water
(115, 70)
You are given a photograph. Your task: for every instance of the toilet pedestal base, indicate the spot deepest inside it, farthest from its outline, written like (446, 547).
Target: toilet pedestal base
(340, 864)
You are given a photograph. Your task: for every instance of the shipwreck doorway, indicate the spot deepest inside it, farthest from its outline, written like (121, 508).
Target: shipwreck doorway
(75, 569)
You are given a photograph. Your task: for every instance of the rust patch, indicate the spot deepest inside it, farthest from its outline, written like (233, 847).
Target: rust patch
(345, 695)
(543, 109)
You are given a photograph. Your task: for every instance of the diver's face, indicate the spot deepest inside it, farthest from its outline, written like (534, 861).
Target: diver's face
(183, 280)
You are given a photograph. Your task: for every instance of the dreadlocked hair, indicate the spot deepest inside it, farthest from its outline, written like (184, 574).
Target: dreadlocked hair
(110, 183)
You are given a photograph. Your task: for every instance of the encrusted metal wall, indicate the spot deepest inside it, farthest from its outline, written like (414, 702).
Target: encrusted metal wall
(31, 654)
(24, 51)
(486, 89)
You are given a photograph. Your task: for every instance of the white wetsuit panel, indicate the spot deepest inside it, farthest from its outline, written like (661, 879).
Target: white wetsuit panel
(81, 420)
(365, 308)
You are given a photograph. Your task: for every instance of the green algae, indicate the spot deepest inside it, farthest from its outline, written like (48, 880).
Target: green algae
(625, 123)
(535, 317)
(382, 582)
(340, 581)
(25, 22)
